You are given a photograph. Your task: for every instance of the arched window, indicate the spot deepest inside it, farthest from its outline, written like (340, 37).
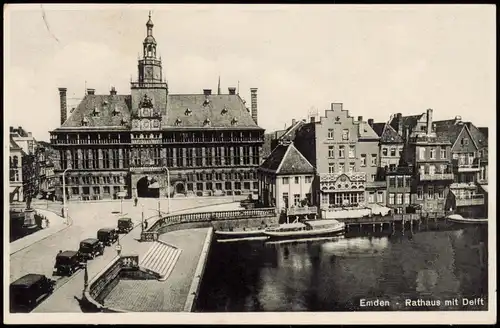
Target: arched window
(150, 51)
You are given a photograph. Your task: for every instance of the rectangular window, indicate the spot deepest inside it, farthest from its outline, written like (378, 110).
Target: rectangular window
(199, 186)
(237, 155)
(96, 190)
(352, 151)
(432, 169)
(297, 180)
(374, 176)
(246, 155)
(443, 153)
(399, 199)
(105, 159)
(341, 167)
(352, 167)
(331, 168)
(285, 180)
(246, 185)
(106, 190)
(308, 179)
(228, 185)
(440, 192)
(199, 156)
(227, 155)
(433, 153)
(374, 159)
(430, 192)
(363, 160)
(420, 193)
(400, 181)
(421, 153)
(179, 157)
(421, 170)
(296, 199)
(393, 151)
(407, 181)
(255, 185)
(75, 190)
(331, 151)
(392, 182)
(285, 199)
(341, 151)
(391, 199)
(407, 198)
(371, 197)
(209, 186)
(330, 134)
(380, 197)
(345, 134)
(384, 151)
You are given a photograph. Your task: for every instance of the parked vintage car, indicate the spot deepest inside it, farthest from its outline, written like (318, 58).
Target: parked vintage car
(90, 248)
(107, 236)
(67, 262)
(125, 225)
(27, 291)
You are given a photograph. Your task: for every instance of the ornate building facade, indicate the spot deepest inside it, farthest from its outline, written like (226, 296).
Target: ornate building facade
(151, 142)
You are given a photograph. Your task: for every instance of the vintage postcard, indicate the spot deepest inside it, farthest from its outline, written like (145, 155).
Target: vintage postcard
(284, 164)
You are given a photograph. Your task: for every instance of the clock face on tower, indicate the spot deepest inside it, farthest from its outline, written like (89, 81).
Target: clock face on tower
(148, 72)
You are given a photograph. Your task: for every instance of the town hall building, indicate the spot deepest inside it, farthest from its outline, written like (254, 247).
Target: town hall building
(151, 142)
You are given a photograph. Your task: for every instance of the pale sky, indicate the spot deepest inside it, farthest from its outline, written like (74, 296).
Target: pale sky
(377, 60)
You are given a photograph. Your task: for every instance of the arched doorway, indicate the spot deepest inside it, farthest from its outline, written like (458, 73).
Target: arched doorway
(179, 188)
(148, 187)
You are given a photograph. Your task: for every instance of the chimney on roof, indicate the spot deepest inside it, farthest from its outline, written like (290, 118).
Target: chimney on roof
(207, 92)
(90, 91)
(336, 106)
(294, 121)
(232, 90)
(30, 134)
(63, 106)
(399, 121)
(360, 118)
(370, 122)
(313, 119)
(253, 98)
(11, 129)
(112, 91)
(458, 119)
(429, 121)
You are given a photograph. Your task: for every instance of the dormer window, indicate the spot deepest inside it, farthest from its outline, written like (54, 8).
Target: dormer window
(206, 102)
(116, 110)
(206, 122)
(234, 121)
(188, 112)
(224, 111)
(85, 121)
(105, 102)
(96, 111)
(124, 120)
(178, 121)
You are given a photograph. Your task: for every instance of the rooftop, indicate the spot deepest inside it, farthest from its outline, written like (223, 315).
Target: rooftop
(286, 159)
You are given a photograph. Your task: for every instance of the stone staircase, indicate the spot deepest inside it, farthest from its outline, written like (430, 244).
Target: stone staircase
(160, 259)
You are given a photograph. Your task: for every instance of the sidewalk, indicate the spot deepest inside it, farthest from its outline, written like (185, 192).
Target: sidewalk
(56, 224)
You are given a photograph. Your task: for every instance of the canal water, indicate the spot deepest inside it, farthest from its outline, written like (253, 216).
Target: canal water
(437, 266)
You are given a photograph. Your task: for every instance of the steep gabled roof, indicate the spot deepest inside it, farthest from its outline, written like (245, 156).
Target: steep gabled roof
(366, 132)
(448, 129)
(388, 134)
(14, 145)
(286, 159)
(104, 106)
(378, 128)
(480, 135)
(221, 111)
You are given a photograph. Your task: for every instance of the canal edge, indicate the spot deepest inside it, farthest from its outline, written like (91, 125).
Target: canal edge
(198, 275)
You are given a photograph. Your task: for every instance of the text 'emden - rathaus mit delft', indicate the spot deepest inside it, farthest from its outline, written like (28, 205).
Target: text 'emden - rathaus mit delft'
(211, 145)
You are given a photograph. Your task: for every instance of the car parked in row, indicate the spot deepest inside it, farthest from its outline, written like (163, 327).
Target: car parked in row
(90, 248)
(28, 291)
(107, 236)
(67, 263)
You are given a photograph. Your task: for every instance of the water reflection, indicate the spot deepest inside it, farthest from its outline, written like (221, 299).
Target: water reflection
(333, 275)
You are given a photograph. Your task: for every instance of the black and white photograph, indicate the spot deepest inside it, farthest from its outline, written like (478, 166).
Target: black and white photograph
(249, 163)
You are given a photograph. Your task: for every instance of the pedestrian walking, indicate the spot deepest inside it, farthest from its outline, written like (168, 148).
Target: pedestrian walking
(145, 225)
(135, 201)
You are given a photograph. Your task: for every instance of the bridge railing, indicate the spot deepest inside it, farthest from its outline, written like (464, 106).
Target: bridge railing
(152, 233)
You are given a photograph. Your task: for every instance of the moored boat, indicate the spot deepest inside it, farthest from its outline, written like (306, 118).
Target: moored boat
(240, 233)
(312, 228)
(457, 218)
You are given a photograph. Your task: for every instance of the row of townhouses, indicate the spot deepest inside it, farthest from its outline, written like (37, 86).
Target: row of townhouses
(337, 162)
(152, 143)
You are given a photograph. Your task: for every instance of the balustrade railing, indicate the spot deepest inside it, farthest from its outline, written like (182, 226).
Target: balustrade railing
(353, 176)
(152, 234)
(302, 210)
(470, 201)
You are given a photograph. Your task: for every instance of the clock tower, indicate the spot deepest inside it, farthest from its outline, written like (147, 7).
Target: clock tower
(149, 65)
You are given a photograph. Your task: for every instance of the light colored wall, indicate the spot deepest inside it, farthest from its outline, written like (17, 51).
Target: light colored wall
(302, 188)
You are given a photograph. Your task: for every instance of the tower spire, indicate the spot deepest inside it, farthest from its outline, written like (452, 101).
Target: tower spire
(218, 87)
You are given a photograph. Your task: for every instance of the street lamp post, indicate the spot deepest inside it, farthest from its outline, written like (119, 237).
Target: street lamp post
(168, 187)
(64, 192)
(121, 205)
(142, 218)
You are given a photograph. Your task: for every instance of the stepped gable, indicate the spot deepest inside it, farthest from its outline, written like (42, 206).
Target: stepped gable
(101, 111)
(286, 159)
(199, 110)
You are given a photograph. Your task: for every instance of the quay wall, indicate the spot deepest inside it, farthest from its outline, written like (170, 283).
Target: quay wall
(190, 304)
